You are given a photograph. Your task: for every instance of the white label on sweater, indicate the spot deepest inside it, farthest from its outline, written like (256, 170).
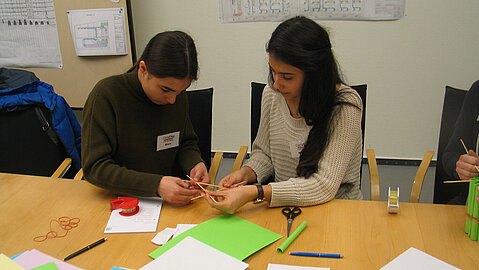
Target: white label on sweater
(296, 148)
(169, 140)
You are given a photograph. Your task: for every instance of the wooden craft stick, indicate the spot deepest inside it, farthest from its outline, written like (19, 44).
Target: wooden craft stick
(201, 183)
(464, 145)
(241, 183)
(202, 195)
(459, 181)
(467, 151)
(205, 191)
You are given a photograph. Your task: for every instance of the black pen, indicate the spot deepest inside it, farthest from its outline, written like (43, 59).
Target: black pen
(85, 249)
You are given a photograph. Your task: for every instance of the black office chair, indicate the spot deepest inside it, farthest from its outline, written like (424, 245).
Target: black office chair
(200, 104)
(256, 94)
(361, 89)
(446, 193)
(28, 144)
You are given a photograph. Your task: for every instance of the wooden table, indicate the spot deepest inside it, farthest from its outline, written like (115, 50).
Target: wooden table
(362, 231)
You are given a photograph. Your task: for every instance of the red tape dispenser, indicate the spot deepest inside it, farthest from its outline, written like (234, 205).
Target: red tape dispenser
(129, 206)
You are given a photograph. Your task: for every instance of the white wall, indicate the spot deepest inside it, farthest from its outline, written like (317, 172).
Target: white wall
(406, 64)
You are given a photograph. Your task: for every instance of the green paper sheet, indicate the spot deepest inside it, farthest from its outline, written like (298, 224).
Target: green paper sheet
(227, 233)
(291, 238)
(48, 266)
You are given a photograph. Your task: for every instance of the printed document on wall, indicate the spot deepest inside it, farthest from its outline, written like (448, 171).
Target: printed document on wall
(98, 31)
(273, 10)
(29, 35)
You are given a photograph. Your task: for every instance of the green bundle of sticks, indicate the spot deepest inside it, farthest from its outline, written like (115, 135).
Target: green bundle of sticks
(472, 218)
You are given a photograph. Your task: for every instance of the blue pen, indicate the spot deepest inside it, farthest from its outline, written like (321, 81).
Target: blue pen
(311, 254)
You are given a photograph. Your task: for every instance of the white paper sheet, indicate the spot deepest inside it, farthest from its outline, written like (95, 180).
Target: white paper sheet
(259, 10)
(146, 220)
(162, 237)
(98, 31)
(168, 233)
(273, 266)
(181, 228)
(29, 35)
(414, 259)
(193, 254)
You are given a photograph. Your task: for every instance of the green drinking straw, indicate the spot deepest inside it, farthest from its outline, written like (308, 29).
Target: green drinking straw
(475, 213)
(291, 238)
(470, 205)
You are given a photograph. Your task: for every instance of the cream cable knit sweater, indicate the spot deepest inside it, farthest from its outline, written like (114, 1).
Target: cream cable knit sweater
(338, 172)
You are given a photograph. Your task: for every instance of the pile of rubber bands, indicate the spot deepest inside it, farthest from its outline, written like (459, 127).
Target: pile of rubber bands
(64, 223)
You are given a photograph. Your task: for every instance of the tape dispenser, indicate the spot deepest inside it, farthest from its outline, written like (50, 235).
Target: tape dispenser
(393, 200)
(129, 206)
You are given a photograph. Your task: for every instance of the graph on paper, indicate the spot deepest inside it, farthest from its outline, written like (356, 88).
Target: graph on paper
(29, 34)
(277, 10)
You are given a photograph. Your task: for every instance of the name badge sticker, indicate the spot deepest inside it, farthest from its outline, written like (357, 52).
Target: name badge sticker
(296, 148)
(167, 141)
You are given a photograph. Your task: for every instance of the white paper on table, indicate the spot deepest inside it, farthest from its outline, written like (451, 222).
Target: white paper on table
(34, 258)
(272, 266)
(413, 258)
(162, 237)
(190, 253)
(169, 233)
(181, 228)
(146, 220)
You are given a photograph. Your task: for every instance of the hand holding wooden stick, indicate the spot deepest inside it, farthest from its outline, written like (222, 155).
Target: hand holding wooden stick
(467, 152)
(198, 183)
(222, 188)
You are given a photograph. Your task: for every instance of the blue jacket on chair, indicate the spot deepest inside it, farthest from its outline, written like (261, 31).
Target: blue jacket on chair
(64, 121)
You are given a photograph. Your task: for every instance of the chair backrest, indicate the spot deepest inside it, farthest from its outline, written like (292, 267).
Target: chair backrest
(416, 185)
(25, 145)
(419, 178)
(453, 99)
(201, 113)
(361, 89)
(373, 175)
(256, 94)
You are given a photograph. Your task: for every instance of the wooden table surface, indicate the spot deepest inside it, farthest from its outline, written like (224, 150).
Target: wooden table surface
(362, 231)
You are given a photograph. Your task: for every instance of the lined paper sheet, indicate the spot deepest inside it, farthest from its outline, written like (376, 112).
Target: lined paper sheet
(146, 220)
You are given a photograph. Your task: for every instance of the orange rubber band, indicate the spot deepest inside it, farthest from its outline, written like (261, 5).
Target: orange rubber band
(65, 223)
(473, 219)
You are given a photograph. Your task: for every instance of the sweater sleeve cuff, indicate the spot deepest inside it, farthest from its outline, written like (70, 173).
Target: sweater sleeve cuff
(283, 193)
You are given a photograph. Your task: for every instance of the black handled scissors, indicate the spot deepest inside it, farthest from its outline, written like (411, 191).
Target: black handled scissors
(290, 215)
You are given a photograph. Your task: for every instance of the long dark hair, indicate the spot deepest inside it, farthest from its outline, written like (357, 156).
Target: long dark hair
(170, 54)
(302, 43)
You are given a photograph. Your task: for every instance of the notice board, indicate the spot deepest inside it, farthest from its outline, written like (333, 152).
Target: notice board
(80, 73)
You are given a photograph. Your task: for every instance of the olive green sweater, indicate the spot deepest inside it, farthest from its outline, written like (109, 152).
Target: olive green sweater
(120, 130)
